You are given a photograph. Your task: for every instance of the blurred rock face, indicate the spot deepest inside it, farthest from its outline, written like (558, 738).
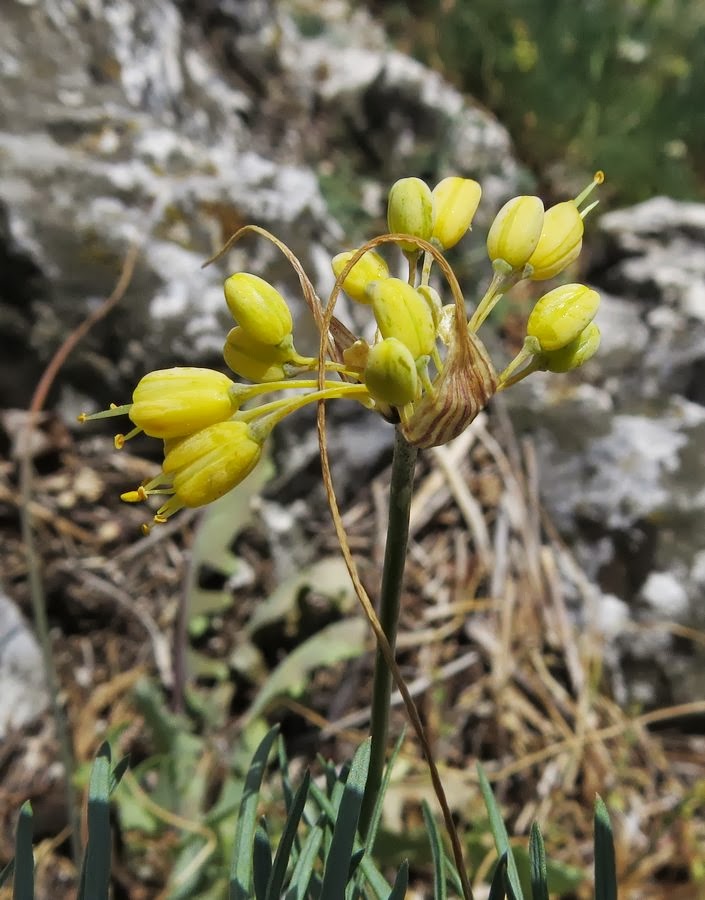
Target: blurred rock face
(173, 124)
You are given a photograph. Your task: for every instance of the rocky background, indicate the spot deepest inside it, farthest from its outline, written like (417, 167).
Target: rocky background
(170, 124)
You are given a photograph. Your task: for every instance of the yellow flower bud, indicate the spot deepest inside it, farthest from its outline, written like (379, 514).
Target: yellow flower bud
(401, 312)
(576, 353)
(561, 315)
(455, 201)
(560, 243)
(433, 298)
(171, 403)
(390, 374)
(516, 230)
(258, 307)
(410, 210)
(209, 463)
(370, 267)
(251, 359)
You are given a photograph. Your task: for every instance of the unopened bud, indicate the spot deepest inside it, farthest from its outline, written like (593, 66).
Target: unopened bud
(390, 374)
(561, 315)
(455, 201)
(258, 307)
(253, 360)
(410, 210)
(370, 267)
(576, 353)
(560, 243)
(433, 298)
(401, 312)
(515, 232)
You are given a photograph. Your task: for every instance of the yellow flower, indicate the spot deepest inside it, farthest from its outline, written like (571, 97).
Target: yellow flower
(174, 402)
(390, 374)
(410, 210)
(401, 312)
(576, 353)
(561, 315)
(259, 308)
(370, 267)
(515, 232)
(455, 201)
(251, 359)
(560, 243)
(202, 467)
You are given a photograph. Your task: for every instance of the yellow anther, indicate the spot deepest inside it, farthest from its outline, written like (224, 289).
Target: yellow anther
(119, 441)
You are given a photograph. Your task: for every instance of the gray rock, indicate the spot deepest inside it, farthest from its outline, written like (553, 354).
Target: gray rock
(23, 692)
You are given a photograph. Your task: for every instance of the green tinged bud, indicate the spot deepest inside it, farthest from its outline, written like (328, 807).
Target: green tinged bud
(370, 267)
(561, 315)
(576, 353)
(410, 210)
(390, 374)
(433, 298)
(515, 232)
(402, 313)
(455, 201)
(560, 243)
(253, 360)
(259, 308)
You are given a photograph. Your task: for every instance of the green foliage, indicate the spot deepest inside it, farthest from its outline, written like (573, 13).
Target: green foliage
(608, 84)
(319, 854)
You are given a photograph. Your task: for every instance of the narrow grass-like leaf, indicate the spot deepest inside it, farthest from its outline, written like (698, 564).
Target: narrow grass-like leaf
(499, 832)
(7, 871)
(440, 891)
(303, 870)
(355, 861)
(498, 888)
(241, 866)
(261, 860)
(118, 771)
(453, 877)
(95, 872)
(335, 876)
(281, 859)
(537, 856)
(401, 882)
(23, 888)
(605, 866)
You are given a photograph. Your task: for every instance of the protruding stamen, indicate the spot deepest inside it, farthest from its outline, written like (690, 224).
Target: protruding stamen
(114, 410)
(137, 496)
(597, 179)
(120, 439)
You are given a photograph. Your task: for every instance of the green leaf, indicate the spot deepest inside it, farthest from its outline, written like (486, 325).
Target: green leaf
(261, 860)
(95, 872)
(499, 832)
(281, 859)
(401, 882)
(439, 876)
(334, 643)
(498, 888)
(537, 854)
(241, 866)
(605, 867)
(303, 870)
(23, 888)
(335, 876)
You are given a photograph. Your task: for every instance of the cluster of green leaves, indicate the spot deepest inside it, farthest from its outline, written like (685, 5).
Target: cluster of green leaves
(606, 84)
(319, 854)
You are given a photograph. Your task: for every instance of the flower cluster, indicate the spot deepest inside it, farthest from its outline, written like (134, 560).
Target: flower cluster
(426, 370)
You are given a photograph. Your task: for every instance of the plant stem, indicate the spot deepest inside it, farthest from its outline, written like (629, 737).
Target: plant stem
(400, 494)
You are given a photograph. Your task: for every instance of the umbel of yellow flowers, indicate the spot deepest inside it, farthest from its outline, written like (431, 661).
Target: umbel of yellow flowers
(426, 370)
